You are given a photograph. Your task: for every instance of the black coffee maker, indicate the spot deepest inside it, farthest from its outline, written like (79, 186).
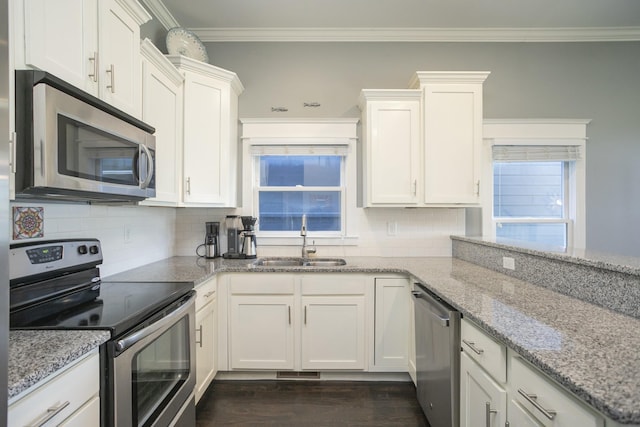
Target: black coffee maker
(211, 245)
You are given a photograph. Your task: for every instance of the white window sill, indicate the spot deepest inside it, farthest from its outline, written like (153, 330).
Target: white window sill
(311, 240)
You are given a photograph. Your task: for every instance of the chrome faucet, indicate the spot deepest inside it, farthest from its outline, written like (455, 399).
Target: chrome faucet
(306, 250)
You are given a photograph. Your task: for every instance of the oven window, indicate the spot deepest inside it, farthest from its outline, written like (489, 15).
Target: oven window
(90, 153)
(158, 372)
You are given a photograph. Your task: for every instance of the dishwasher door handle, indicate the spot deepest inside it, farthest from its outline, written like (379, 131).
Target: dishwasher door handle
(442, 321)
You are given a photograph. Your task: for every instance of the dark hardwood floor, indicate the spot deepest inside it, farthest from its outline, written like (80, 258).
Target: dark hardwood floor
(310, 403)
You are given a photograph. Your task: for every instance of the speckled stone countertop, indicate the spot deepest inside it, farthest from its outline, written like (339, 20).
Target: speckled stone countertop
(34, 355)
(590, 350)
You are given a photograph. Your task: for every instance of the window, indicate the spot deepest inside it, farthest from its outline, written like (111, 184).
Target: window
(295, 167)
(534, 187)
(530, 201)
(292, 185)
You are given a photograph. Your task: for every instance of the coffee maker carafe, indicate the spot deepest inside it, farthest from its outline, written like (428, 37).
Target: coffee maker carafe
(249, 249)
(211, 245)
(234, 228)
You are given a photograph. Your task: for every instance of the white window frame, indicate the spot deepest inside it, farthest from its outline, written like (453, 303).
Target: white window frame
(302, 133)
(559, 132)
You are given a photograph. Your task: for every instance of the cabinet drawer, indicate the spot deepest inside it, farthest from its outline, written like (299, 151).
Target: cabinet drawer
(551, 406)
(262, 284)
(72, 388)
(206, 292)
(329, 284)
(489, 354)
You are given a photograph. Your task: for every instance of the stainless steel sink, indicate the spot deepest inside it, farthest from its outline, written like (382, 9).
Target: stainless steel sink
(324, 262)
(279, 262)
(299, 262)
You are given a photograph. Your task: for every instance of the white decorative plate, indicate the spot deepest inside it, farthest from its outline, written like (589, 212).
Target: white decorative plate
(181, 41)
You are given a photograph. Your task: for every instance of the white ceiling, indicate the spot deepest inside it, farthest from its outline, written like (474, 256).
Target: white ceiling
(421, 20)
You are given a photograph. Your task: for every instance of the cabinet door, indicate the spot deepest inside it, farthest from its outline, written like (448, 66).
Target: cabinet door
(205, 348)
(393, 152)
(333, 332)
(119, 63)
(483, 402)
(453, 143)
(392, 324)
(206, 152)
(60, 37)
(162, 109)
(261, 332)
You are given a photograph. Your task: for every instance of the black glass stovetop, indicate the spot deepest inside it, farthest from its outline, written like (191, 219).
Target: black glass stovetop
(118, 307)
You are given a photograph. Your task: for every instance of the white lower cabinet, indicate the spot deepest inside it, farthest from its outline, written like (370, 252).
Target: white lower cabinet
(393, 324)
(483, 402)
(495, 389)
(261, 332)
(297, 321)
(206, 312)
(68, 398)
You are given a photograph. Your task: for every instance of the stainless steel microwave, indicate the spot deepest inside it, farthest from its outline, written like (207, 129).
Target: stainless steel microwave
(72, 146)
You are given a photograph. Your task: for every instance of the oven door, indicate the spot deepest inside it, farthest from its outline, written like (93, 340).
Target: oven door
(154, 370)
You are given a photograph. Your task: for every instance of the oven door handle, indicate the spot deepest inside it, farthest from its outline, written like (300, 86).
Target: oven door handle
(130, 340)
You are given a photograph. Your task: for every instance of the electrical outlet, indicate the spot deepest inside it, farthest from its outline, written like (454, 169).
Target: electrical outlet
(392, 228)
(508, 263)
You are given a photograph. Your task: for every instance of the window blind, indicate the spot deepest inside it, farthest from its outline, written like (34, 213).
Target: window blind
(535, 153)
(299, 150)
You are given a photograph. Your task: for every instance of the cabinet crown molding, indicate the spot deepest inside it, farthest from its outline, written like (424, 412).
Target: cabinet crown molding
(136, 10)
(184, 63)
(457, 77)
(387, 94)
(152, 54)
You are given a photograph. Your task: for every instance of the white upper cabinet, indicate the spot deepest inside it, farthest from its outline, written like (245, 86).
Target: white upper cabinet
(93, 45)
(162, 109)
(422, 146)
(210, 138)
(452, 111)
(391, 129)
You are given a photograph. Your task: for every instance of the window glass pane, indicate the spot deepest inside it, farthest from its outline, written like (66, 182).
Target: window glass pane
(546, 234)
(310, 171)
(528, 189)
(282, 210)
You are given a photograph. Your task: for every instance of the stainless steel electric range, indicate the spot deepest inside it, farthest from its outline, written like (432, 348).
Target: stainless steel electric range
(148, 365)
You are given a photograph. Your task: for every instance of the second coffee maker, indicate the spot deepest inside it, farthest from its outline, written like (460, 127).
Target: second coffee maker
(234, 229)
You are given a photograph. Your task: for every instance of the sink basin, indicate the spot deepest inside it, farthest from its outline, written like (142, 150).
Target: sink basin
(299, 262)
(279, 262)
(324, 262)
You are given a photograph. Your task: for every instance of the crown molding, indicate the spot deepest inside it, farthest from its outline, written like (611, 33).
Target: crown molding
(136, 11)
(161, 13)
(485, 35)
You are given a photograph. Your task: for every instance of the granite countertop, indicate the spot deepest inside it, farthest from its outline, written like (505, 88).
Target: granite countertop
(590, 350)
(34, 355)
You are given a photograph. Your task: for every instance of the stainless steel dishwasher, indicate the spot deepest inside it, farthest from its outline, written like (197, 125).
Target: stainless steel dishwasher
(437, 358)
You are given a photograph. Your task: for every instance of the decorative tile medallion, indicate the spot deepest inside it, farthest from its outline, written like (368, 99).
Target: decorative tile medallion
(28, 223)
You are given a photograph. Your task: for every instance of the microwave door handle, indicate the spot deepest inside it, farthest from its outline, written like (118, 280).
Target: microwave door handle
(149, 176)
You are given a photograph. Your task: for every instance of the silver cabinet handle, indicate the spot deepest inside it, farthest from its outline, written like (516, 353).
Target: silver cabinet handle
(94, 72)
(488, 411)
(188, 185)
(532, 398)
(415, 187)
(199, 340)
(12, 152)
(51, 412)
(289, 311)
(305, 314)
(473, 347)
(112, 74)
(477, 187)
(208, 294)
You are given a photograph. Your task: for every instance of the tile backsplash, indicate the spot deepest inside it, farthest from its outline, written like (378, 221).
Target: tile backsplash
(132, 236)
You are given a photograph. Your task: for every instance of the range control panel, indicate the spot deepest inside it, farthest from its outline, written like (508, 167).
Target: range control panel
(34, 258)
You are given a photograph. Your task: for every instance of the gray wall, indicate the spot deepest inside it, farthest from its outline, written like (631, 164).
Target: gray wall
(598, 81)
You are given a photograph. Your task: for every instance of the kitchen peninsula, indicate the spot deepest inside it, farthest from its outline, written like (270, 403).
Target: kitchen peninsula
(589, 350)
